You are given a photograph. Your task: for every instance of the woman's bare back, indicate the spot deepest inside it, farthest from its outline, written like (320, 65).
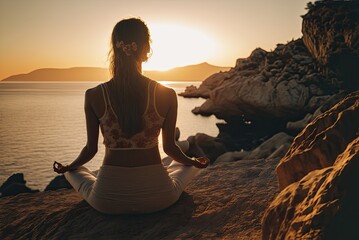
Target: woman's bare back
(133, 157)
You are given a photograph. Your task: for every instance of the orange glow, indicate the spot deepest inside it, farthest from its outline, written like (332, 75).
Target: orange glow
(176, 45)
(37, 34)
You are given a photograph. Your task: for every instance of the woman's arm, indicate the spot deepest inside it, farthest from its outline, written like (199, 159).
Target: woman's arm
(168, 136)
(90, 149)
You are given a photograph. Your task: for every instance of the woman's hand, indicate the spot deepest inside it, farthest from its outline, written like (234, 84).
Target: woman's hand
(59, 168)
(201, 162)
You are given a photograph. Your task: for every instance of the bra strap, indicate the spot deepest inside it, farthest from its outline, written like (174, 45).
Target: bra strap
(108, 102)
(148, 97)
(104, 93)
(151, 96)
(153, 100)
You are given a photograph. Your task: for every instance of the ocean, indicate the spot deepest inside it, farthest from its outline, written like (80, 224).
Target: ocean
(42, 122)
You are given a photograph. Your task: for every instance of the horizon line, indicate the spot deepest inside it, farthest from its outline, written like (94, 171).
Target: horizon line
(144, 70)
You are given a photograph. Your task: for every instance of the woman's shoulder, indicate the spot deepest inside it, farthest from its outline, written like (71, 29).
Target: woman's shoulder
(164, 94)
(96, 89)
(95, 92)
(161, 88)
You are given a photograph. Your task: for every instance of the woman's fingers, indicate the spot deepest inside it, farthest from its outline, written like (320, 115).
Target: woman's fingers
(202, 162)
(58, 167)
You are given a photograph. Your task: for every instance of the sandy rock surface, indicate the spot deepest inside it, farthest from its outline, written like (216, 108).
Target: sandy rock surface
(225, 201)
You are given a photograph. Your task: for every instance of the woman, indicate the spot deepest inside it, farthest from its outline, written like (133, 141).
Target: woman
(130, 110)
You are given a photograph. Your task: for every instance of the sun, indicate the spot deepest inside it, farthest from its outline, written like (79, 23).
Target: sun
(175, 45)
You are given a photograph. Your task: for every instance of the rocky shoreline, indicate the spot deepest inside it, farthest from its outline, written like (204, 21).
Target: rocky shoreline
(267, 93)
(284, 165)
(285, 89)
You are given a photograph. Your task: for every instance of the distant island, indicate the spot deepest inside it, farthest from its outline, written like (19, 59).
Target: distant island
(197, 72)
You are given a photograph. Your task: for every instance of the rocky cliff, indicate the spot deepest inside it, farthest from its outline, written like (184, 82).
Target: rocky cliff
(331, 34)
(262, 93)
(282, 84)
(284, 89)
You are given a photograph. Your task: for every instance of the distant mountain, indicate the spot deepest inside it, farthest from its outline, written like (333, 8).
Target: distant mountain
(197, 72)
(63, 74)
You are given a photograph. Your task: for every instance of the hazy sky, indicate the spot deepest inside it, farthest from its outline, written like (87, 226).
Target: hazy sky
(67, 33)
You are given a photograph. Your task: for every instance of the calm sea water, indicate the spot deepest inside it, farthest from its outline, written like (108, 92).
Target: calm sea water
(42, 122)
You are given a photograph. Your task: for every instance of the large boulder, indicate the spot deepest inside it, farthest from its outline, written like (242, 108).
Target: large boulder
(204, 145)
(14, 185)
(274, 147)
(322, 205)
(319, 144)
(225, 201)
(58, 182)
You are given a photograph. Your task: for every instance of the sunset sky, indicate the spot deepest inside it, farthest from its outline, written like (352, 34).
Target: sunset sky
(59, 34)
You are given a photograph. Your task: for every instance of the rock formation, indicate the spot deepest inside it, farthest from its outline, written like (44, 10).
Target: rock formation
(58, 182)
(285, 89)
(14, 185)
(203, 145)
(280, 84)
(319, 144)
(322, 205)
(275, 147)
(296, 85)
(207, 86)
(297, 126)
(263, 92)
(320, 178)
(331, 34)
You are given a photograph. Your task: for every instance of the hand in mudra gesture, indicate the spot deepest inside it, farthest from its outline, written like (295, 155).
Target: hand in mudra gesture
(201, 162)
(59, 168)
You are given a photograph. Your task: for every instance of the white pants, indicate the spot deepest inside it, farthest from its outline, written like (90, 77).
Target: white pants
(144, 189)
